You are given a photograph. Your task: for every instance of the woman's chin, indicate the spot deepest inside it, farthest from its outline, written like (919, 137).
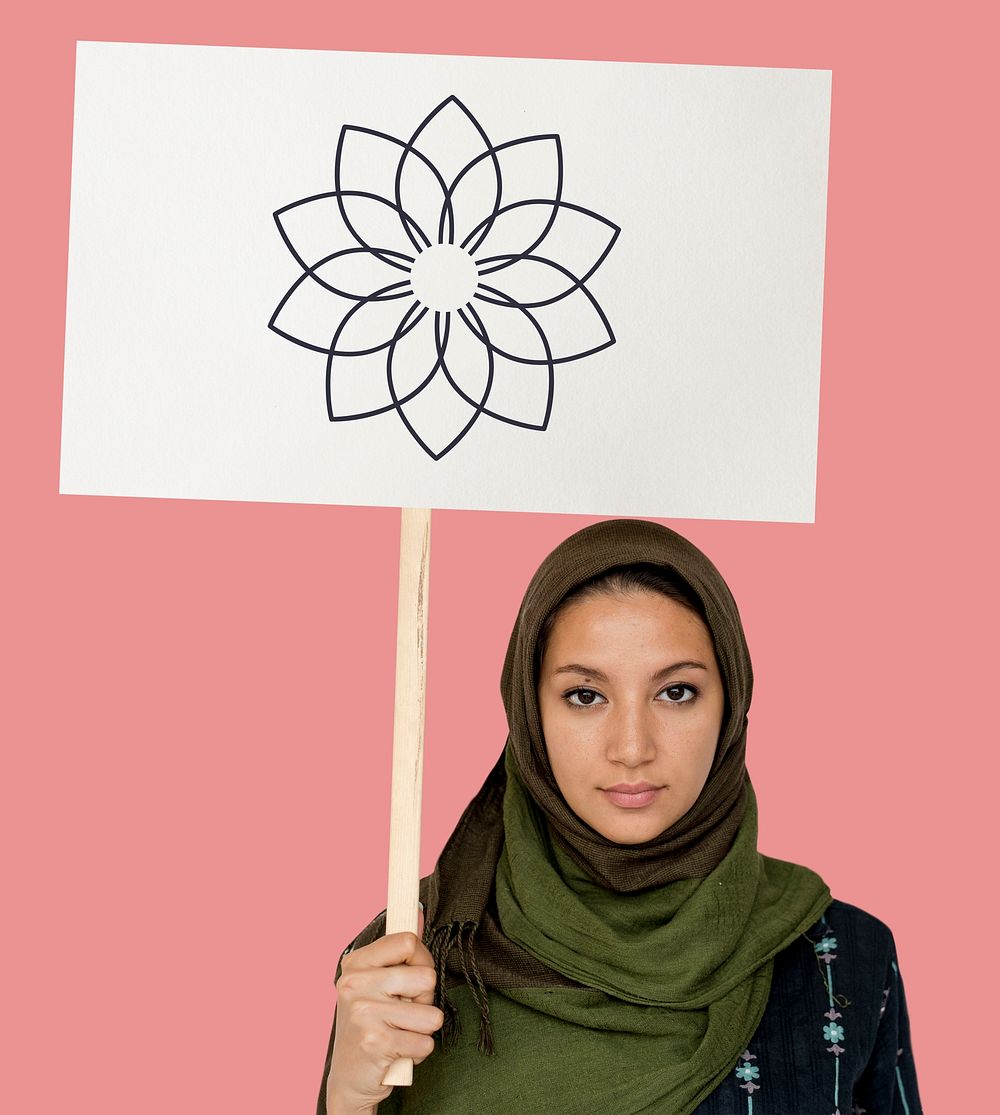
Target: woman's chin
(633, 830)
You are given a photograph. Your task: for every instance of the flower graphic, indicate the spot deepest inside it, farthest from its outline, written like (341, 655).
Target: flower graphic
(444, 277)
(826, 944)
(748, 1073)
(833, 1032)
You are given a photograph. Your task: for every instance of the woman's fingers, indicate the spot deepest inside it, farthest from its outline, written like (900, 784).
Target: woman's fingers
(417, 1017)
(396, 1029)
(385, 1010)
(384, 1044)
(394, 948)
(416, 984)
(397, 965)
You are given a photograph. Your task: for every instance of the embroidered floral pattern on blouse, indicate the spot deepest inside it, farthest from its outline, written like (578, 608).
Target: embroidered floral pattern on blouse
(833, 1031)
(748, 1074)
(825, 947)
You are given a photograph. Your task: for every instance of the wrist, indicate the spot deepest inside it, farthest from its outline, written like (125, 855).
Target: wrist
(338, 1105)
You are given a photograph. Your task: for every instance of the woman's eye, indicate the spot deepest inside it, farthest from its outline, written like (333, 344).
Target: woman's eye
(676, 693)
(587, 697)
(680, 694)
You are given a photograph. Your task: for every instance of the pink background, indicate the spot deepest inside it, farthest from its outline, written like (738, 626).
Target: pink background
(197, 709)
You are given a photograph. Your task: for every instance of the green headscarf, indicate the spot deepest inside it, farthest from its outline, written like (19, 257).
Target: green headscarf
(607, 977)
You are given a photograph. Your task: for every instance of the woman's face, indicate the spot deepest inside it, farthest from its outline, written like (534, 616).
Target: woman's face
(631, 699)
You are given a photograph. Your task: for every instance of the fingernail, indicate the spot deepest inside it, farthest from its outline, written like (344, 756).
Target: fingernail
(421, 905)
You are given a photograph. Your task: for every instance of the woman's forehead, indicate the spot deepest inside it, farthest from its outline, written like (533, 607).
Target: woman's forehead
(642, 621)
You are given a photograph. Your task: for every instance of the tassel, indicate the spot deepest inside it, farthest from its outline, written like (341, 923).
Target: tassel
(485, 1042)
(443, 939)
(440, 945)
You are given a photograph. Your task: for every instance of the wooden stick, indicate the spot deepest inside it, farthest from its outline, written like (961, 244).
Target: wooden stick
(408, 738)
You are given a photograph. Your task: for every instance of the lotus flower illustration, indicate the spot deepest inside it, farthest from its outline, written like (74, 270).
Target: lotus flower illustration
(444, 277)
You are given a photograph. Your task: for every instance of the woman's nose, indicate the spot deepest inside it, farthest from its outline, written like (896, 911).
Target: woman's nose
(631, 735)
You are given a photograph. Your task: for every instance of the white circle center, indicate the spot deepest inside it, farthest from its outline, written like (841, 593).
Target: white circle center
(444, 277)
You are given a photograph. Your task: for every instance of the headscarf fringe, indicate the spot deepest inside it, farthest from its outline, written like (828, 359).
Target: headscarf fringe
(443, 939)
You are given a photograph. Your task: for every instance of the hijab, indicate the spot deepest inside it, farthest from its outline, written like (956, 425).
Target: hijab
(671, 940)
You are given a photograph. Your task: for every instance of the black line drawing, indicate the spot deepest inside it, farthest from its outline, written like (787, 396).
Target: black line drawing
(465, 256)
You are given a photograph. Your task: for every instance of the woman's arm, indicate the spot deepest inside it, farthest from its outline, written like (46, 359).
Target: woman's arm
(385, 1007)
(888, 1085)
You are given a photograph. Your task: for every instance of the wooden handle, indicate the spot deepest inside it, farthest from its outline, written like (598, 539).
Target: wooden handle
(408, 738)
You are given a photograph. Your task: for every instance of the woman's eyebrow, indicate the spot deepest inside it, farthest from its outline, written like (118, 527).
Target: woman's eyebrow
(589, 671)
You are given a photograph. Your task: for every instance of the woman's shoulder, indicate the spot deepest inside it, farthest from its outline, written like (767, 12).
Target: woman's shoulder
(860, 924)
(835, 1032)
(852, 934)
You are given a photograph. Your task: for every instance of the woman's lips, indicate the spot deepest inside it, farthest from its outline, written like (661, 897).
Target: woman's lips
(632, 800)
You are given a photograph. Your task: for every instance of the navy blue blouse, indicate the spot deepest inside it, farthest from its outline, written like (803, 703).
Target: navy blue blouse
(835, 1036)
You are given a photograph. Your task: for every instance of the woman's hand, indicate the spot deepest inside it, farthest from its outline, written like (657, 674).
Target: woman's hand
(375, 1024)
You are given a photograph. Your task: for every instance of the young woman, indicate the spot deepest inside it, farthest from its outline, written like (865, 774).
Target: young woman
(601, 933)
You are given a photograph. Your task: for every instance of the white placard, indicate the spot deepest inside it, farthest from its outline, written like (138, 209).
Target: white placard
(436, 281)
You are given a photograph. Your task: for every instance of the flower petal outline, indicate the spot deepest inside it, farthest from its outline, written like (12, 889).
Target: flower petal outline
(313, 273)
(381, 295)
(340, 195)
(509, 303)
(402, 329)
(406, 220)
(486, 224)
(482, 335)
(447, 209)
(575, 284)
(359, 305)
(441, 344)
(509, 258)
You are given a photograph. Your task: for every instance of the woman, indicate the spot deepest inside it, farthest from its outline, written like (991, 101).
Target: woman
(601, 933)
